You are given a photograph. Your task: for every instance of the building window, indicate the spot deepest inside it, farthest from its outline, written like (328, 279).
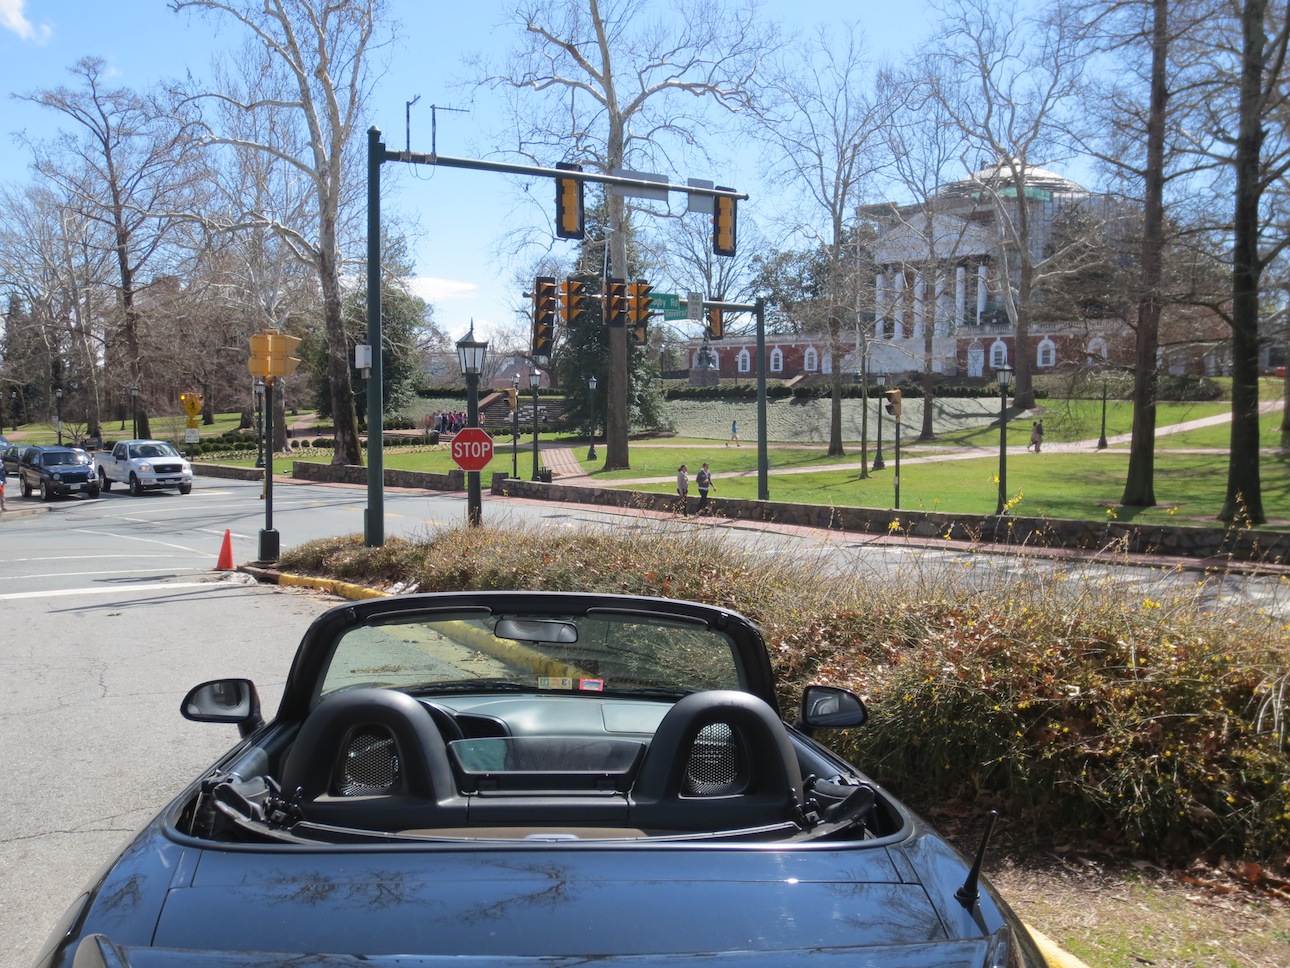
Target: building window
(1047, 354)
(827, 365)
(1097, 350)
(998, 354)
(745, 361)
(810, 360)
(777, 360)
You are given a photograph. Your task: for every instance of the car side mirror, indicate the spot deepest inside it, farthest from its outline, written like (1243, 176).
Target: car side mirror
(224, 701)
(831, 707)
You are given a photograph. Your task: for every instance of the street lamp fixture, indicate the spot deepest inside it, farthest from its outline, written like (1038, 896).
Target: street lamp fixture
(58, 395)
(591, 417)
(535, 381)
(134, 412)
(878, 463)
(1004, 375)
(259, 423)
(470, 354)
(13, 395)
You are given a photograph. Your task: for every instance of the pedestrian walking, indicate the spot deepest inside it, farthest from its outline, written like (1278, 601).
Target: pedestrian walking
(734, 433)
(1036, 435)
(703, 480)
(3, 476)
(683, 487)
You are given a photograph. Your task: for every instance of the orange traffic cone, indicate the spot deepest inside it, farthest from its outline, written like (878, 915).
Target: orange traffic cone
(225, 562)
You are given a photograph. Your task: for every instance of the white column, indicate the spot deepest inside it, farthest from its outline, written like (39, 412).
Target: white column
(960, 294)
(920, 305)
(898, 317)
(942, 305)
(880, 305)
(981, 272)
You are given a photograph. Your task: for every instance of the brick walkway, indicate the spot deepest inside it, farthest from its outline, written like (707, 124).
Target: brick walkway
(564, 467)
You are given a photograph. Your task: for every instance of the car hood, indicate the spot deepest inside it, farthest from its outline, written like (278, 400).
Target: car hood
(975, 953)
(556, 903)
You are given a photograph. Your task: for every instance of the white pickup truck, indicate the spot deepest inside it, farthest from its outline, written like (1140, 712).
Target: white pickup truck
(143, 465)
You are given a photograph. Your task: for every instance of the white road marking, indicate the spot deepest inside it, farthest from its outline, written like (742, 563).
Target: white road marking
(113, 590)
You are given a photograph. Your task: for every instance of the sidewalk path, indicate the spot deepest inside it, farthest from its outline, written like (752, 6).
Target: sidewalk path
(574, 474)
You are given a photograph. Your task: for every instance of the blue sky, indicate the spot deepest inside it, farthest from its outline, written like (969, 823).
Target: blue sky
(461, 214)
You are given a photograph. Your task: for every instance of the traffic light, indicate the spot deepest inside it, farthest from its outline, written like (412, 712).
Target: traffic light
(282, 354)
(544, 310)
(616, 302)
(638, 310)
(723, 223)
(273, 355)
(569, 218)
(716, 324)
(893, 402)
(512, 398)
(573, 296)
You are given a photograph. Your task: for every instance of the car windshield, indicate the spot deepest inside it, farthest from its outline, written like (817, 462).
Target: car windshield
(602, 653)
(159, 449)
(61, 458)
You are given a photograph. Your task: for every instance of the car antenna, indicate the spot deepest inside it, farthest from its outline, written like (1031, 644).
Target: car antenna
(968, 893)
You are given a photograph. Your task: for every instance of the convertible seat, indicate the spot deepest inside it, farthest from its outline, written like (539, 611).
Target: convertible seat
(372, 759)
(719, 760)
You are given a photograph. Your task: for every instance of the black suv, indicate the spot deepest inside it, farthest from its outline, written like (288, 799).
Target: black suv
(56, 470)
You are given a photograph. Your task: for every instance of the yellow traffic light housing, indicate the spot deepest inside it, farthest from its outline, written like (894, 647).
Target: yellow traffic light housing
(273, 355)
(716, 323)
(544, 309)
(616, 302)
(282, 354)
(893, 402)
(723, 223)
(512, 399)
(638, 309)
(573, 296)
(570, 221)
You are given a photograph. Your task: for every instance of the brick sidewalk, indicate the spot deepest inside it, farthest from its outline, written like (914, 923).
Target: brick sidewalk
(564, 467)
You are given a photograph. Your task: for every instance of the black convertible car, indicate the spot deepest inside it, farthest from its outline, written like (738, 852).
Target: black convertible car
(534, 779)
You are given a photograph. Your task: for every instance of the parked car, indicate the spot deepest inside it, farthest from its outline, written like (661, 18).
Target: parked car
(524, 779)
(143, 465)
(55, 471)
(10, 457)
(4, 441)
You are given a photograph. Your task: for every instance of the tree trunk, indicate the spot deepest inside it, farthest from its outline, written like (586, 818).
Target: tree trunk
(1139, 484)
(347, 449)
(1244, 500)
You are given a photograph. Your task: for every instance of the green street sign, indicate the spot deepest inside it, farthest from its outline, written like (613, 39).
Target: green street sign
(669, 302)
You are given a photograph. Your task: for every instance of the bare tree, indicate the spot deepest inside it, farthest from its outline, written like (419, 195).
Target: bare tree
(125, 161)
(300, 99)
(819, 111)
(1006, 79)
(614, 87)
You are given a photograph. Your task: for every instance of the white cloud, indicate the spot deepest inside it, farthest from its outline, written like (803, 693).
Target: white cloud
(13, 18)
(434, 290)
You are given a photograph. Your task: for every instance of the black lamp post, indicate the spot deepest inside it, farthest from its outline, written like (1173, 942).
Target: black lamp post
(1101, 441)
(878, 463)
(515, 425)
(1004, 374)
(259, 423)
(470, 354)
(134, 412)
(58, 396)
(535, 381)
(591, 417)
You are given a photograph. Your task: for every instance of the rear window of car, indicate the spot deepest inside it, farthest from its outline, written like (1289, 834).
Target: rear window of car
(597, 653)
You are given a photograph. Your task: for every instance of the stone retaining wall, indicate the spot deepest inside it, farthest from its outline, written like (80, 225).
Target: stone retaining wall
(1219, 545)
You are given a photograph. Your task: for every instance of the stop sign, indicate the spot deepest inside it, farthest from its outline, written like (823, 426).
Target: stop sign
(472, 449)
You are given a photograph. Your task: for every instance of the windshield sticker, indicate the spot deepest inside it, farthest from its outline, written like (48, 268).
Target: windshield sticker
(591, 685)
(555, 682)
